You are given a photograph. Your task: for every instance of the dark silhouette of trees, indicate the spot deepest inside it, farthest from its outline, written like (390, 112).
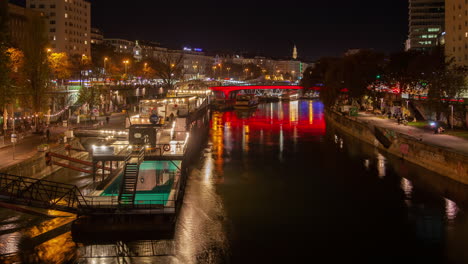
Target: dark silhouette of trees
(36, 67)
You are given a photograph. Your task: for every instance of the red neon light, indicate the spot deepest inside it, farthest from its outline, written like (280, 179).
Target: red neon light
(227, 89)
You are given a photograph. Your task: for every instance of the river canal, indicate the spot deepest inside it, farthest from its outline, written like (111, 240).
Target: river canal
(276, 185)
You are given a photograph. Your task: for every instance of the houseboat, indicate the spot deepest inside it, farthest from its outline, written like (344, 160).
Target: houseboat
(246, 101)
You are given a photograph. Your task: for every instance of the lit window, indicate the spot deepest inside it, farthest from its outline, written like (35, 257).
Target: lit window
(66, 15)
(86, 42)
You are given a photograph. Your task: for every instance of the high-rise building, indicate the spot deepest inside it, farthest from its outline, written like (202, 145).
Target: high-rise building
(456, 37)
(69, 24)
(426, 23)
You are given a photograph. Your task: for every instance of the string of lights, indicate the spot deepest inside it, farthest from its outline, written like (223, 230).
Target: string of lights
(33, 116)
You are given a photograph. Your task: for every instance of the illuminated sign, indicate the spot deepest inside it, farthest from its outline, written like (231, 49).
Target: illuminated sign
(197, 49)
(187, 49)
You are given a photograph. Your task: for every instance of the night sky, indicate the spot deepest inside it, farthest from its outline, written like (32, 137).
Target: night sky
(318, 28)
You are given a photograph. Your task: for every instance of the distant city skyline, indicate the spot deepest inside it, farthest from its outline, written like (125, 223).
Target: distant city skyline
(317, 29)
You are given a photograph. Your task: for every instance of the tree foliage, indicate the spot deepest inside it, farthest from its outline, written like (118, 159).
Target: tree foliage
(6, 93)
(90, 95)
(36, 68)
(60, 66)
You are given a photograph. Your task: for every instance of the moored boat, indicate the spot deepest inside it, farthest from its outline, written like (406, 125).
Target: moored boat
(246, 101)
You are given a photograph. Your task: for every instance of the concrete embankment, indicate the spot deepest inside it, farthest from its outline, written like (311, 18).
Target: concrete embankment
(36, 167)
(447, 162)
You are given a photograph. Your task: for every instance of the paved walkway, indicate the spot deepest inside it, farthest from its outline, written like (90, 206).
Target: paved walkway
(27, 147)
(443, 140)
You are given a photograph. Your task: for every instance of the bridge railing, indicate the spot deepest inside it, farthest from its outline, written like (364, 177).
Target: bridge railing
(41, 193)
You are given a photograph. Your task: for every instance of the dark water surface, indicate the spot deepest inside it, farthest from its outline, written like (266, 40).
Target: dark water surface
(276, 185)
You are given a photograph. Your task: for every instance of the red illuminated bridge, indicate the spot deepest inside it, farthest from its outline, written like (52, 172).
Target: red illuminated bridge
(226, 90)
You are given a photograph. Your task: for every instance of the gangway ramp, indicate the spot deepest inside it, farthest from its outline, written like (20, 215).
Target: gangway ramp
(41, 193)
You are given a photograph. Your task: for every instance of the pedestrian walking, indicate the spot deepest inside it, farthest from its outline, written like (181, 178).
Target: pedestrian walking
(107, 119)
(48, 135)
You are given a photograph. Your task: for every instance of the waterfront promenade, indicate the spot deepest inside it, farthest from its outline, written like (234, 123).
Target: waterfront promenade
(425, 135)
(27, 147)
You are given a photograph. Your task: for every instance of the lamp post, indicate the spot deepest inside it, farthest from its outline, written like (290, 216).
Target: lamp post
(83, 57)
(105, 60)
(125, 63)
(246, 72)
(228, 69)
(451, 122)
(214, 71)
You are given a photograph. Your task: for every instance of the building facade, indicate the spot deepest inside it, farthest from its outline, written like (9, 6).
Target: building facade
(69, 24)
(17, 24)
(294, 68)
(121, 45)
(96, 36)
(195, 63)
(456, 37)
(426, 24)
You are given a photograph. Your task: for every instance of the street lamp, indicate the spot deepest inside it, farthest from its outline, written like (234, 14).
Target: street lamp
(293, 74)
(83, 58)
(125, 63)
(105, 60)
(246, 71)
(228, 69)
(214, 71)
(451, 122)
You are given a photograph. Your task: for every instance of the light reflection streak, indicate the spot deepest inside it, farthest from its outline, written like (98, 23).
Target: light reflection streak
(293, 111)
(451, 210)
(367, 163)
(281, 142)
(407, 187)
(311, 113)
(245, 138)
(381, 165)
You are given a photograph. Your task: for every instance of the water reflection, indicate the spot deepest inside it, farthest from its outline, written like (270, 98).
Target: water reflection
(451, 210)
(381, 165)
(407, 187)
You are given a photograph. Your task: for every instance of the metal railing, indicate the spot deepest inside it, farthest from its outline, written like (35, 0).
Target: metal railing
(166, 149)
(41, 193)
(111, 203)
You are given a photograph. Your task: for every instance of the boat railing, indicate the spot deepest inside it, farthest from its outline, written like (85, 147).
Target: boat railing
(166, 149)
(112, 202)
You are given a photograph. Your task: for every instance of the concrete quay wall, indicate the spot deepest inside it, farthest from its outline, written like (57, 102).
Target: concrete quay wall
(35, 166)
(447, 162)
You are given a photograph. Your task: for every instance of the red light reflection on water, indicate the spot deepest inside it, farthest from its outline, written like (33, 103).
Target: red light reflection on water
(306, 116)
(270, 124)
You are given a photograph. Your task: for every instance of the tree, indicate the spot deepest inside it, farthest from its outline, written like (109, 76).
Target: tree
(333, 80)
(360, 71)
(168, 67)
(90, 95)
(36, 67)
(59, 65)
(6, 93)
